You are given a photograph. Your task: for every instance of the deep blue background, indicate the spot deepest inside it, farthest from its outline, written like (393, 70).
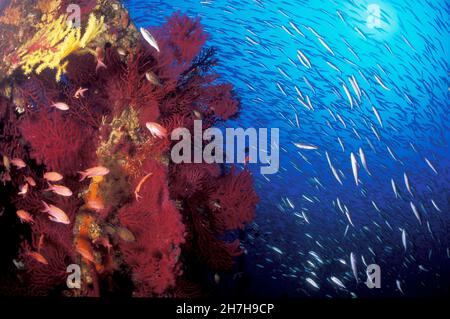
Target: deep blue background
(255, 50)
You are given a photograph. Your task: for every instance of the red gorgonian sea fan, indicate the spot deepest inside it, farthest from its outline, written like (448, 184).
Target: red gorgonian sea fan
(148, 219)
(234, 200)
(156, 223)
(51, 240)
(58, 141)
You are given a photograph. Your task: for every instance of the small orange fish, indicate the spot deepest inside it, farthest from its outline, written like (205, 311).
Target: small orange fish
(216, 204)
(17, 162)
(100, 57)
(30, 181)
(23, 189)
(138, 187)
(94, 171)
(41, 242)
(156, 130)
(121, 51)
(197, 114)
(6, 163)
(95, 205)
(61, 106)
(79, 93)
(84, 248)
(53, 176)
(152, 78)
(38, 257)
(56, 214)
(24, 216)
(60, 190)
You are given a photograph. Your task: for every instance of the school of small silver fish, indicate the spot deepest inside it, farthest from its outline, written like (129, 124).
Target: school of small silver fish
(361, 100)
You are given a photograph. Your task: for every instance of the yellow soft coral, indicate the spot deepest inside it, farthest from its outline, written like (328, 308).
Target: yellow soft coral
(54, 42)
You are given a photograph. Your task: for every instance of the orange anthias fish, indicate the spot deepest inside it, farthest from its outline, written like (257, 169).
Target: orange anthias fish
(79, 93)
(94, 171)
(84, 248)
(156, 129)
(152, 78)
(24, 216)
(61, 106)
(60, 190)
(100, 57)
(30, 180)
(138, 187)
(23, 189)
(17, 162)
(53, 176)
(197, 114)
(41, 242)
(56, 214)
(38, 257)
(6, 163)
(95, 204)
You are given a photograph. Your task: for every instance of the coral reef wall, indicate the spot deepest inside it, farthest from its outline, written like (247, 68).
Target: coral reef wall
(86, 175)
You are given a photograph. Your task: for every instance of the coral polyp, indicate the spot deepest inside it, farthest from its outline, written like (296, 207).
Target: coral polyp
(128, 211)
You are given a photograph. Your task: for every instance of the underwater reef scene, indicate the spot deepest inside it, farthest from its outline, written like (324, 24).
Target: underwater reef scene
(221, 149)
(86, 175)
(359, 90)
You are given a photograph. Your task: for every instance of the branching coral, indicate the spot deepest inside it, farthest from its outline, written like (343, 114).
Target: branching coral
(157, 225)
(58, 141)
(148, 219)
(234, 201)
(184, 36)
(52, 241)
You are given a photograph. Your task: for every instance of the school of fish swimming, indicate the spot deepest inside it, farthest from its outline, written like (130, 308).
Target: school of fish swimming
(359, 93)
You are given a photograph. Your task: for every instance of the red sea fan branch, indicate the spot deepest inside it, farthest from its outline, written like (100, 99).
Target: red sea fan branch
(187, 179)
(234, 201)
(216, 253)
(43, 279)
(10, 144)
(59, 142)
(36, 94)
(220, 100)
(185, 36)
(131, 88)
(180, 40)
(54, 242)
(158, 229)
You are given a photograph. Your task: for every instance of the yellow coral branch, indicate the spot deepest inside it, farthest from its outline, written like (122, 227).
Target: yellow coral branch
(54, 42)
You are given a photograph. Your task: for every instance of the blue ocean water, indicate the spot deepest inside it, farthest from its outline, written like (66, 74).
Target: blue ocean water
(341, 76)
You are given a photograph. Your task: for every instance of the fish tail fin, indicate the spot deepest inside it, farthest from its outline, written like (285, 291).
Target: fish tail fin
(83, 176)
(46, 207)
(49, 187)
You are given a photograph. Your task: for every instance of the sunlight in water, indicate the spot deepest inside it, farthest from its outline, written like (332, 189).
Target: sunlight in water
(373, 16)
